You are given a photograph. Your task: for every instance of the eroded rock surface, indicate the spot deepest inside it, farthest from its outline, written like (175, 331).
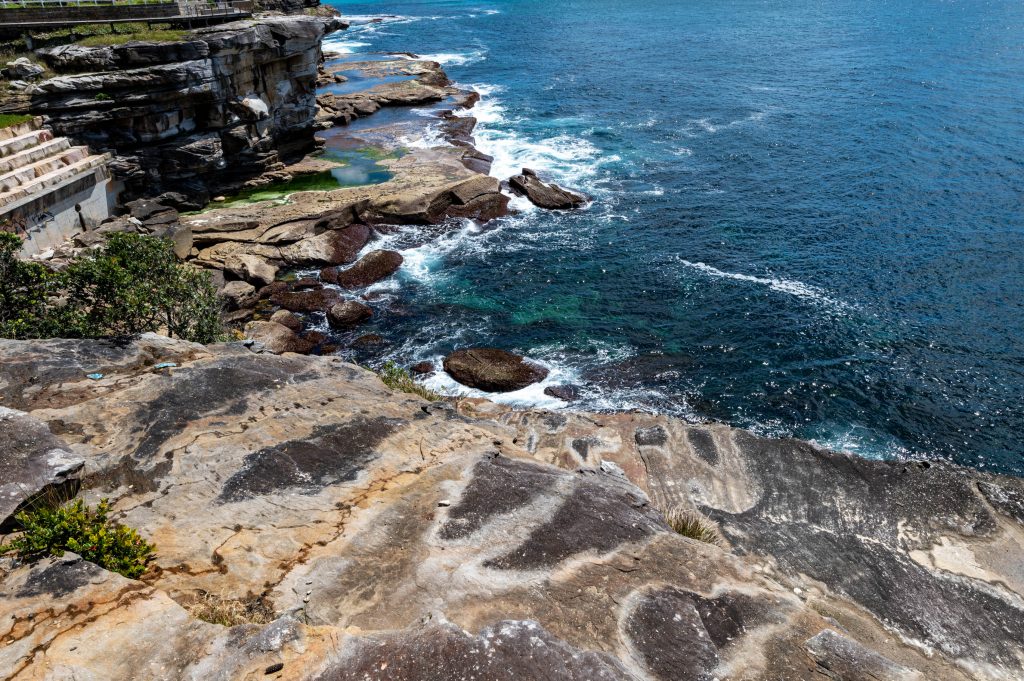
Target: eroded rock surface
(394, 538)
(544, 194)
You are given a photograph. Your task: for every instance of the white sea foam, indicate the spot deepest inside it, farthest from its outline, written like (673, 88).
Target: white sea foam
(530, 396)
(340, 45)
(787, 286)
(456, 58)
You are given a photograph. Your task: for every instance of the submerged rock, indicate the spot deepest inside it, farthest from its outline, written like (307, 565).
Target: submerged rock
(370, 269)
(567, 393)
(545, 195)
(493, 370)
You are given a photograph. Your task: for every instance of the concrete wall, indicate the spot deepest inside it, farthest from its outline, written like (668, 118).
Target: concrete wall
(57, 217)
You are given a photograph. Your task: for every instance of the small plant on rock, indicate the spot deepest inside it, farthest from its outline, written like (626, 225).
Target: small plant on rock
(397, 378)
(50, 531)
(229, 612)
(693, 525)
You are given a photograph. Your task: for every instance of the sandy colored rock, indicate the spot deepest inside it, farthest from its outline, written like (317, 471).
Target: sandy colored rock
(348, 313)
(371, 268)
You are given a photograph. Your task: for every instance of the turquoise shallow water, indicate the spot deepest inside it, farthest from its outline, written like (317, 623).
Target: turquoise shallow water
(808, 217)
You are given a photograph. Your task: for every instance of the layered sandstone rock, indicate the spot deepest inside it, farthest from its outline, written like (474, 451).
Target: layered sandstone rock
(393, 538)
(195, 117)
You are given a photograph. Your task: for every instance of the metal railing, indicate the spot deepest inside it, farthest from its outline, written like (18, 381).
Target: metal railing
(59, 4)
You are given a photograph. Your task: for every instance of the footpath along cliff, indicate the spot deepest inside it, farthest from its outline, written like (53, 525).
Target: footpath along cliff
(368, 534)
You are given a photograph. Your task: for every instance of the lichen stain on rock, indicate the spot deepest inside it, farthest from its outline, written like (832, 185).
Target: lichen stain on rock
(330, 455)
(595, 516)
(499, 485)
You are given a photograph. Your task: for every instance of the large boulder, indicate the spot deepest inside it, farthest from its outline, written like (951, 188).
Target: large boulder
(336, 247)
(493, 370)
(22, 68)
(277, 338)
(238, 295)
(34, 465)
(370, 269)
(545, 195)
(348, 313)
(252, 268)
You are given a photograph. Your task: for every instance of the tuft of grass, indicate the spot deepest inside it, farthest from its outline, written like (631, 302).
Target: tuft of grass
(397, 378)
(154, 36)
(75, 527)
(7, 120)
(229, 612)
(693, 525)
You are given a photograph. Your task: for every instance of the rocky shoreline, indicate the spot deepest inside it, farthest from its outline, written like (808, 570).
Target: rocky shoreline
(379, 535)
(387, 537)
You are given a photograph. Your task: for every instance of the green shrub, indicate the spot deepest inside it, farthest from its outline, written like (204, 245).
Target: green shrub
(153, 36)
(693, 525)
(48, 531)
(25, 288)
(8, 120)
(397, 378)
(132, 285)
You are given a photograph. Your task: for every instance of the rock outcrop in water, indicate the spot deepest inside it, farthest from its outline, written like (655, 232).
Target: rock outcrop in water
(543, 194)
(392, 538)
(197, 117)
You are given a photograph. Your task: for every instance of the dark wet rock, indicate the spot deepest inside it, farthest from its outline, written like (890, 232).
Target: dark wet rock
(667, 631)
(507, 651)
(348, 242)
(58, 577)
(348, 313)
(844, 659)
(287, 319)
(599, 515)
(370, 269)
(423, 368)
(319, 300)
(277, 338)
(330, 455)
(654, 436)
(566, 393)
(34, 466)
(305, 284)
(499, 485)
(492, 370)
(545, 195)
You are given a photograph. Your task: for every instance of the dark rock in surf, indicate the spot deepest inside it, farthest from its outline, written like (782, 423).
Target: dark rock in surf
(348, 313)
(545, 195)
(493, 370)
(568, 393)
(370, 269)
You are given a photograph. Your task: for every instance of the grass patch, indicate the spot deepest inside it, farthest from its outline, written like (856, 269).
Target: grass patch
(48, 531)
(397, 378)
(7, 120)
(693, 525)
(229, 612)
(155, 36)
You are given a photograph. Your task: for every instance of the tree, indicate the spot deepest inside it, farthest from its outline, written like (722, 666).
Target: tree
(135, 284)
(24, 290)
(132, 285)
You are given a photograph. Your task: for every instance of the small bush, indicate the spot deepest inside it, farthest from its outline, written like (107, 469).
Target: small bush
(693, 525)
(154, 36)
(229, 612)
(397, 378)
(48, 531)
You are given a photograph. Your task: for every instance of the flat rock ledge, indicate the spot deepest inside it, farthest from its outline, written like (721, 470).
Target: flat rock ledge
(392, 538)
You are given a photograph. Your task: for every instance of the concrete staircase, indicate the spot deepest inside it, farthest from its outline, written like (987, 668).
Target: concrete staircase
(49, 189)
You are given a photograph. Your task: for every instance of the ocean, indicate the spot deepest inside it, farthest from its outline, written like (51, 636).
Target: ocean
(808, 217)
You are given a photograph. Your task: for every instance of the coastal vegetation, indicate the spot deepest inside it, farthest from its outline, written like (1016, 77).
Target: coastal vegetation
(166, 35)
(133, 284)
(229, 612)
(7, 120)
(50, 531)
(693, 525)
(397, 378)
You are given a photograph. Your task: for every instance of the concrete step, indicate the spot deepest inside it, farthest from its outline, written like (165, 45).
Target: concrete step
(57, 176)
(21, 128)
(28, 173)
(13, 145)
(33, 154)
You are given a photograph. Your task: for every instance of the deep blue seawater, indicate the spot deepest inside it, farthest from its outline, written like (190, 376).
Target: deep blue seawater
(808, 216)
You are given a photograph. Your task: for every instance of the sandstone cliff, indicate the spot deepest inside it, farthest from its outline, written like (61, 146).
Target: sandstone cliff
(196, 117)
(392, 538)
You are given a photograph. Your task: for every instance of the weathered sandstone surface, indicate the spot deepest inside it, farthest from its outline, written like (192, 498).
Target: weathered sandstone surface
(394, 538)
(196, 117)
